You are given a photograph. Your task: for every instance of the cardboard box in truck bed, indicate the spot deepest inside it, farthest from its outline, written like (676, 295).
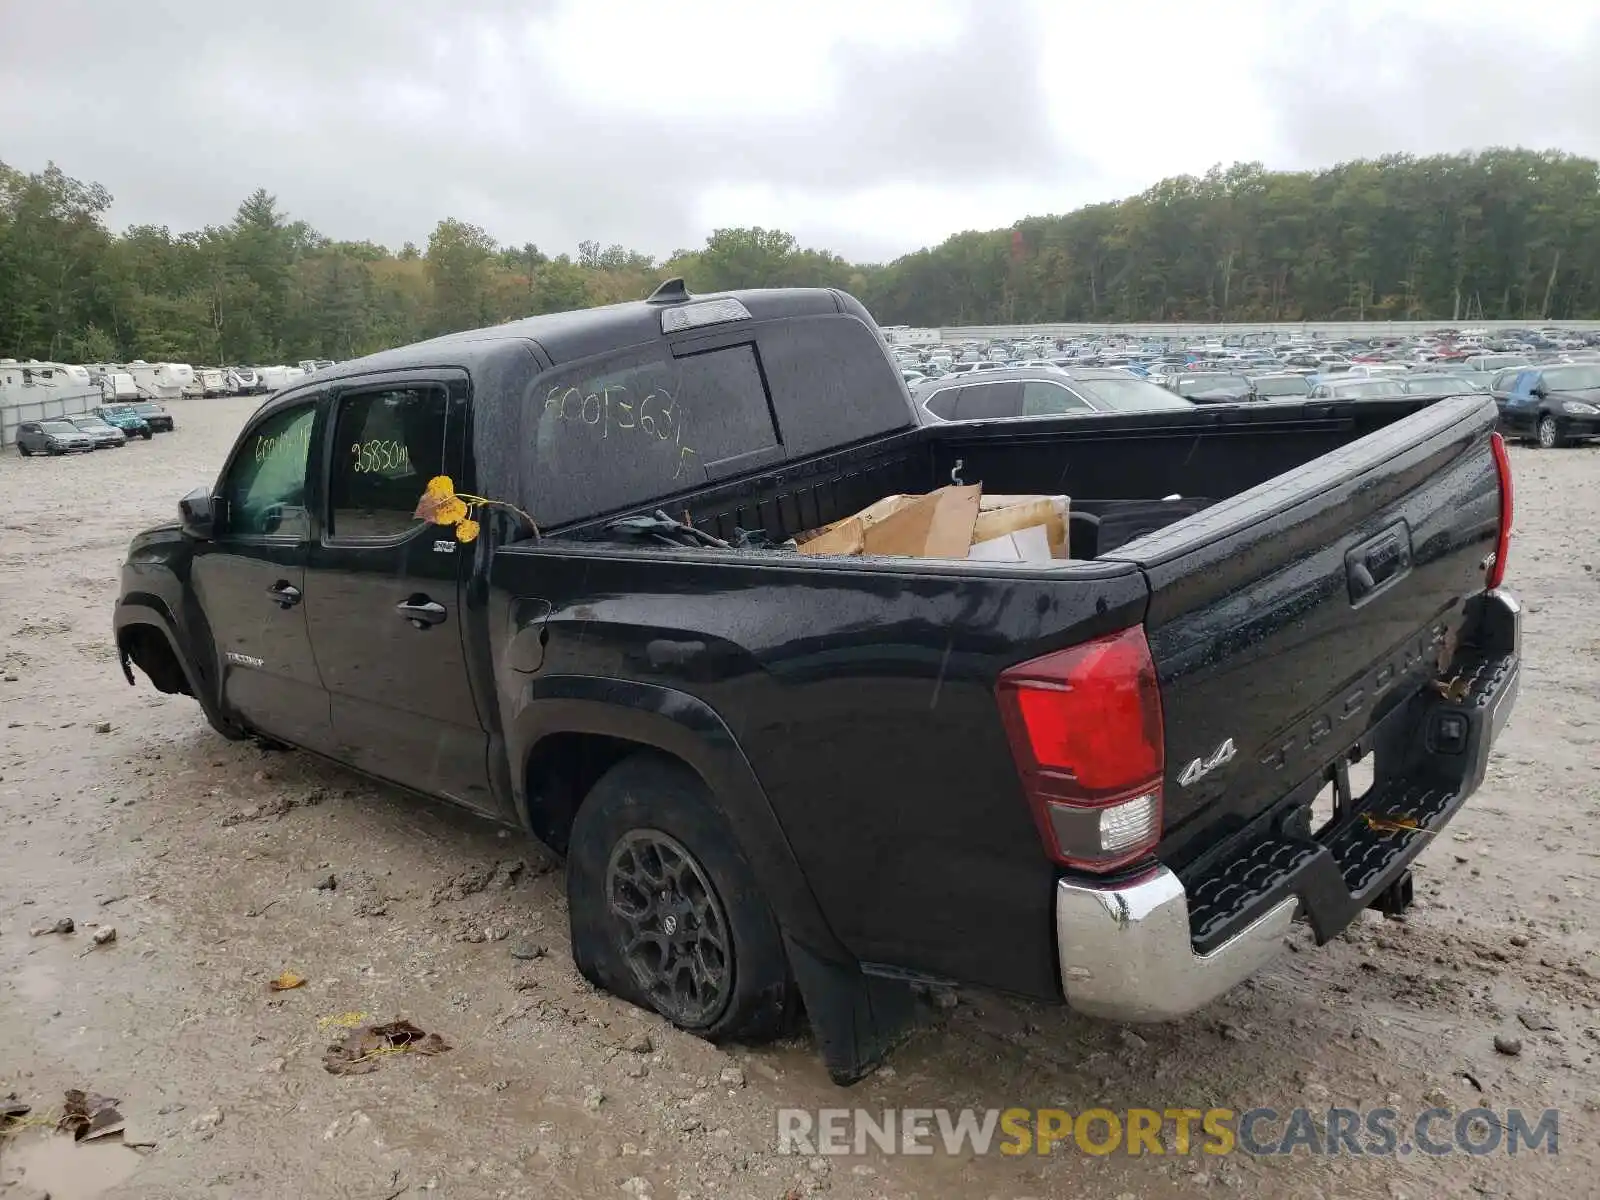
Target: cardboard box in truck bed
(953, 522)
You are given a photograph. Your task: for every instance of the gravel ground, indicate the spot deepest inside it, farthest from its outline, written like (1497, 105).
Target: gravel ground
(213, 861)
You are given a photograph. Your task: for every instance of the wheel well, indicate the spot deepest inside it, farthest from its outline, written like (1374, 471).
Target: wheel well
(560, 773)
(150, 651)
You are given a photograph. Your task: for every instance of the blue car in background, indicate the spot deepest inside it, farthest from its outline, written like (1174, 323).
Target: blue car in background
(124, 418)
(1553, 405)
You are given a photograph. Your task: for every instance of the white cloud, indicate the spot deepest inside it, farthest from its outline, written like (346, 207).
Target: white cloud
(868, 128)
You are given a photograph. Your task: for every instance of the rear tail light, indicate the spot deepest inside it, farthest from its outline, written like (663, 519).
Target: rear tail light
(1086, 733)
(1502, 541)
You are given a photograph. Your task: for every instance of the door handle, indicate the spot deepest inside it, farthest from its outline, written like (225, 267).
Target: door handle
(421, 611)
(285, 593)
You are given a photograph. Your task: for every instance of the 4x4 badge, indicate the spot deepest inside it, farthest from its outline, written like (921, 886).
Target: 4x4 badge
(1201, 767)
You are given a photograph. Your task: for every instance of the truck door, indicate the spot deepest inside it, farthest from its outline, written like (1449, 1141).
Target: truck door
(384, 591)
(250, 582)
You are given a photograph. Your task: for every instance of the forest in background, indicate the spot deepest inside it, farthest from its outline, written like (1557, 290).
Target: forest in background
(1506, 233)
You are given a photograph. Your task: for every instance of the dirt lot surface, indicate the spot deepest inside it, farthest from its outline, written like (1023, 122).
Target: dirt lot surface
(221, 865)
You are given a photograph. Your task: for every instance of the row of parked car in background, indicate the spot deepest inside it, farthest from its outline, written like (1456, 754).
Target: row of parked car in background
(103, 428)
(1546, 383)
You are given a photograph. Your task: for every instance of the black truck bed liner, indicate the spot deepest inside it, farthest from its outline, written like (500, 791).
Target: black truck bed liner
(1118, 472)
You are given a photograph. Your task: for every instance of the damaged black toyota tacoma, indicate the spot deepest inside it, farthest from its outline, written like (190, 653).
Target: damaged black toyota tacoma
(787, 782)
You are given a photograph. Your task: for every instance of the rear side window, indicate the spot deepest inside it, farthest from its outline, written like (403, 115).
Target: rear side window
(943, 403)
(387, 445)
(633, 427)
(1041, 398)
(980, 401)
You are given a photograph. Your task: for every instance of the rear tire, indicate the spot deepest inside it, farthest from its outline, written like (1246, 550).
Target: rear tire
(1549, 433)
(24, 451)
(665, 908)
(147, 435)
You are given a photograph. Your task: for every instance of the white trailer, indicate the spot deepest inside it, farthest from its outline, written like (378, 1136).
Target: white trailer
(118, 387)
(212, 382)
(38, 391)
(275, 379)
(244, 381)
(161, 381)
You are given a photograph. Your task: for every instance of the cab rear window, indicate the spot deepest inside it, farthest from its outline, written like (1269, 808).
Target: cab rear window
(620, 431)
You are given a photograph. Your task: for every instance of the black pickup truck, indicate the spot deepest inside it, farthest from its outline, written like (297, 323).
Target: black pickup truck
(783, 781)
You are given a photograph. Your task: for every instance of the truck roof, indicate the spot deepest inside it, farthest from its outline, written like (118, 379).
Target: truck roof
(771, 375)
(568, 336)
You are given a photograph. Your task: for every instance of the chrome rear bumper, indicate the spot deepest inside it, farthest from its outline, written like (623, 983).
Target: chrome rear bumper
(1125, 951)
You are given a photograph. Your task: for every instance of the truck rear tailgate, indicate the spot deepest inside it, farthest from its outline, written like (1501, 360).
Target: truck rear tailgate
(1287, 622)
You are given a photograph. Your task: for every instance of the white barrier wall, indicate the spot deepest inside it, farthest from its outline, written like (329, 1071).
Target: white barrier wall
(39, 403)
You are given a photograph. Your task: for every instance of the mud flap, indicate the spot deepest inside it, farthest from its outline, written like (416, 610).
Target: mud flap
(857, 1018)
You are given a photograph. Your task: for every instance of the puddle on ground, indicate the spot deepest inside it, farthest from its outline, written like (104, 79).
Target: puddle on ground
(65, 1169)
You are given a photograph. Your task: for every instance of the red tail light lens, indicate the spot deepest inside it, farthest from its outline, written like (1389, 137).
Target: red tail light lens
(1502, 541)
(1086, 733)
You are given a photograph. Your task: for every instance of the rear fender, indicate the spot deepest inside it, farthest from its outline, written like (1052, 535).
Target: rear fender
(688, 729)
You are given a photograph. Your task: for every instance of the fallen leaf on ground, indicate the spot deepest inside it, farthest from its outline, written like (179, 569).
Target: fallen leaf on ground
(285, 982)
(362, 1048)
(89, 1115)
(347, 1020)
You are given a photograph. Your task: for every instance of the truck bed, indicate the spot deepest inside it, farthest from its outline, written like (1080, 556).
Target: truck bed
(861, 691)
(1106, 465)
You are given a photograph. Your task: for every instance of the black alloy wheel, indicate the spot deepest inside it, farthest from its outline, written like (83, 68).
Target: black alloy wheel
(674, 930)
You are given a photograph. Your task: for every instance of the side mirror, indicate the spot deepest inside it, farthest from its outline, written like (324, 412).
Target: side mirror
(197, 515)
(1539, 390)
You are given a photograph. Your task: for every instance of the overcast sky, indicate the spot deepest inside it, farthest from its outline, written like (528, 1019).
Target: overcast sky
(870, 127)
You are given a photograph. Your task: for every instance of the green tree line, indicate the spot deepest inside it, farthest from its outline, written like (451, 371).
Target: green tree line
(1501, 234)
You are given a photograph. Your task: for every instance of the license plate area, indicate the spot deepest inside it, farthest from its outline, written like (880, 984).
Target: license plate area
(1347, 783)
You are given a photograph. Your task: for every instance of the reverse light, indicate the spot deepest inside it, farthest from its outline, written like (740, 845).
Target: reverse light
(702, 312)
(1086, 734)
(1502, 541)
(1126, 825)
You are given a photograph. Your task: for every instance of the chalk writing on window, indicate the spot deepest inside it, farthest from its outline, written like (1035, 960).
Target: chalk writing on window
(294, 442)
(613, 408)
(380, 457)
